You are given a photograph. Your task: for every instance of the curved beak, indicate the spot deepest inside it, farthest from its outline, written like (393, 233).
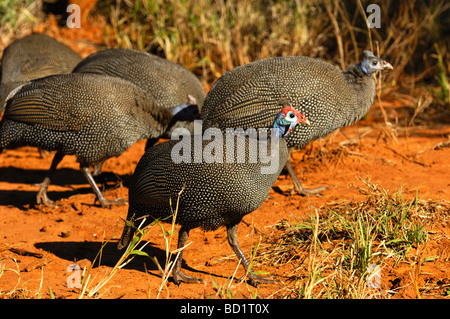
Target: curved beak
(302, 119)
(307, 122)
(386, 65)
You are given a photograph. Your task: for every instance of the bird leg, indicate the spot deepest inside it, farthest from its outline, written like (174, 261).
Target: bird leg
(41, 196)
(298, 188)
(254, 279)
(150, 142)
(103, 201)
(97, 169)
(178, 276)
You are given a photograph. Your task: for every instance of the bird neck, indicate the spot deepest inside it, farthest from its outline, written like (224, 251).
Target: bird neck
(365, 70)
(355, 71)
(358, 79)
(363, 86)
(279, 132)
(280, 129)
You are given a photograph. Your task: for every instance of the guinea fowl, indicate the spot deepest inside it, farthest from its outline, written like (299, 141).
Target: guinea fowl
(329, 98)
(32, 57)
(166, 82)
(214, 193)
(94, 117)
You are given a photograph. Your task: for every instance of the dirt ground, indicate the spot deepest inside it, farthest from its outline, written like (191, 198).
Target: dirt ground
(38, 245)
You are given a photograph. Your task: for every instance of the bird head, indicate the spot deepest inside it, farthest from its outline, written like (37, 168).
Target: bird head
(187, 111)
(288, 118)
(371, 63)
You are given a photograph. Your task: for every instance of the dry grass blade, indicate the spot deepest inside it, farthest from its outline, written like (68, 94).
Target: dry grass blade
(434, 147)
(90, 290)
(345, 239)
(169, 265)
(3, 270)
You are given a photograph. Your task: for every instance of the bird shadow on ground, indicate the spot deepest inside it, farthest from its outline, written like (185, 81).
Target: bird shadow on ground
(61, 177)
(64, 177)
(110, 255)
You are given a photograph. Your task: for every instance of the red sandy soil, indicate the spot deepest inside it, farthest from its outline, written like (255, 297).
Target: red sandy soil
(37, 245)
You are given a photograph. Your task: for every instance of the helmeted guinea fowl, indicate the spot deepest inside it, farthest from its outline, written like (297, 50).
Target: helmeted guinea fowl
(94, 117)
(32, 57)
(329, 98)
(214, 193)
(166, 82)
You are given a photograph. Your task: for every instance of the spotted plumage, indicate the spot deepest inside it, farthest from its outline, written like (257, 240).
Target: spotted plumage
(32, 57)
(329, 98)
(213, 193)
(166, 82)
(92, 116)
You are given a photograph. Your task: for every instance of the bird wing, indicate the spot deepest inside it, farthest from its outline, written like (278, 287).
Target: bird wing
(245, 95)
(46, 104)
(150, 186)
(235, 105)
(151, 192)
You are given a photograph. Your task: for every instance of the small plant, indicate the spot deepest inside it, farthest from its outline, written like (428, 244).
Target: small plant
(134, 248)
(19, 291)
(9, 10)
(3, 270)
(229, 290)
(335, 249)
(169, 264)
(222, 290)
(442, 78)
(88, 289)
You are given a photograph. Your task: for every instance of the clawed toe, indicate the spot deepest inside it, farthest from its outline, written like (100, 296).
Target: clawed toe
(179, 277)
(306, 191)
(107, 203)
(256, 280)
(42, 198)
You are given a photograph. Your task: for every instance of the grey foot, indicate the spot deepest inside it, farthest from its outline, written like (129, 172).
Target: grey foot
(179, 277)
(42, 198)
(306, 191)
(107, 203)
(255, 280)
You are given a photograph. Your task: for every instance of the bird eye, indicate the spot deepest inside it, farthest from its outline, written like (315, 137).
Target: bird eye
(291, 115)
(374, 63)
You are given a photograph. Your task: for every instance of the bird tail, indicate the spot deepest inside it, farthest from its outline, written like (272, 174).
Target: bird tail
(126, 237)
(187, 111)
(132, 224)
(127, 233)
(1, 138)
